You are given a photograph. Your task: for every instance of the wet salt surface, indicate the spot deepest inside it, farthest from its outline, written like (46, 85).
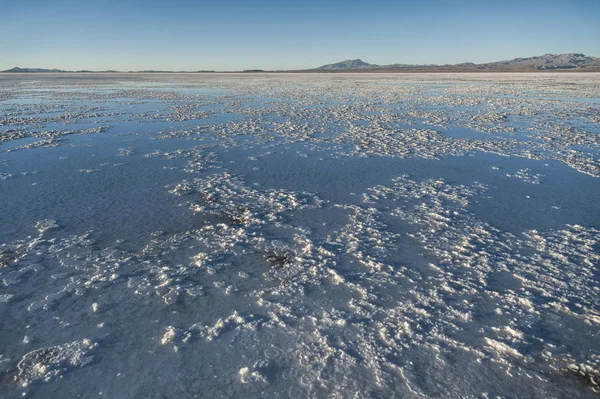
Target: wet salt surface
(300, 235)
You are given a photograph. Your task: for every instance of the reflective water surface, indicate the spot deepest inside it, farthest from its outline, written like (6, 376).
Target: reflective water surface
(289, 235)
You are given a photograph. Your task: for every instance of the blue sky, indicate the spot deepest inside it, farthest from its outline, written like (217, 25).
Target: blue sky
(268, 34)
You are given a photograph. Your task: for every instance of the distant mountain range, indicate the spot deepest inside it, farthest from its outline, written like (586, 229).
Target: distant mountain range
(547, 62)
(569, 61)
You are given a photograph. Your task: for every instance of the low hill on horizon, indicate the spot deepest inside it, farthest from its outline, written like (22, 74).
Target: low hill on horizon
(32, 70)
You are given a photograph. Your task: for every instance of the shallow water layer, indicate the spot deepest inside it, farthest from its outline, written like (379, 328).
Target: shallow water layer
(288, 235)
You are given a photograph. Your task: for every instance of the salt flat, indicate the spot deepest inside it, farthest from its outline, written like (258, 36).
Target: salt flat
(300, 235)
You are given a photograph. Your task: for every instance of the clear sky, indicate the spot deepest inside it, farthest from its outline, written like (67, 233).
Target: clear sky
(269, 34)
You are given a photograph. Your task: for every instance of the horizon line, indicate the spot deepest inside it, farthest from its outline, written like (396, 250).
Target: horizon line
(371, 66)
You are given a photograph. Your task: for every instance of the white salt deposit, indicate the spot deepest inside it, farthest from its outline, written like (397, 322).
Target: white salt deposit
(300, 236)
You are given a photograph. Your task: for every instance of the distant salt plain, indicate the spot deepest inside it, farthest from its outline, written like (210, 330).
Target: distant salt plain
(291, 235)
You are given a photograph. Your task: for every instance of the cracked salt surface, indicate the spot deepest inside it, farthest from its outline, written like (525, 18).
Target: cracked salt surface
(300, 236)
